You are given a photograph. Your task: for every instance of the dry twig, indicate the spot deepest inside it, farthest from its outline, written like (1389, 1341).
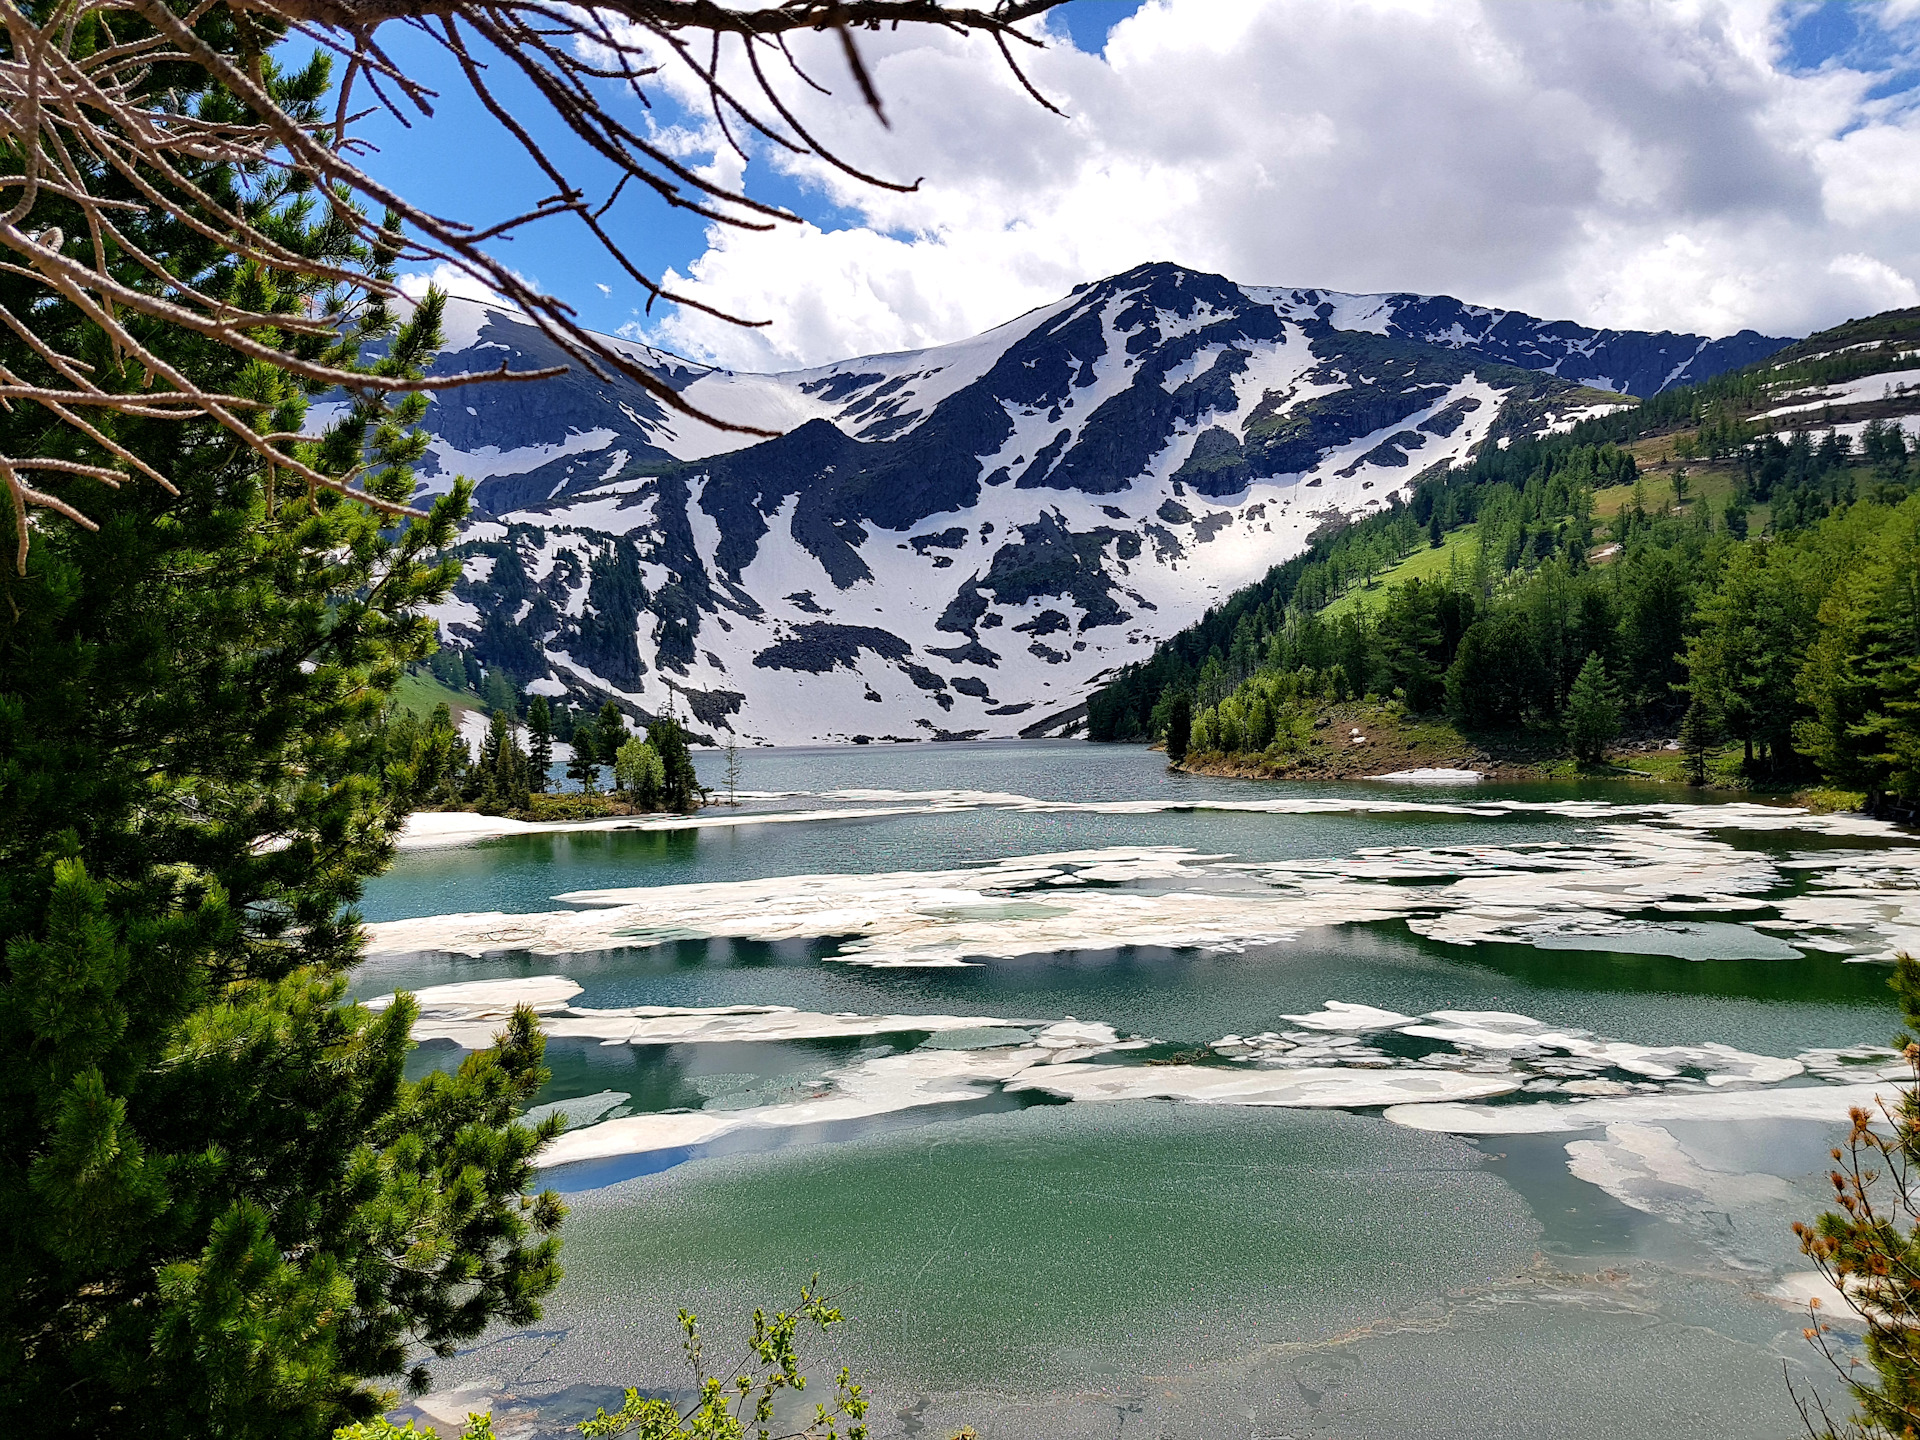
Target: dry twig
(87, 131)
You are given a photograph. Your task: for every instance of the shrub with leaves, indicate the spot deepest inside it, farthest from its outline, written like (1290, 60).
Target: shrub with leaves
(1868, 1249)
(743, 1403)
(739, 1405)
(638, 771)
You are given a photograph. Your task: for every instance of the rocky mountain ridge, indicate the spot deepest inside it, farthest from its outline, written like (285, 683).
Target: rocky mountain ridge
(962, 541)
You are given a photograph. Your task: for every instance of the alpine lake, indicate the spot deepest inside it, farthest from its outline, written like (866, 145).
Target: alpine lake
(1670, 989)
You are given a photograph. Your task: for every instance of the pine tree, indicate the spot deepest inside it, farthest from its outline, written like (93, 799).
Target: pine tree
(502, 771)
(1861, 679)
(499, 694)
(680, 786)
(1750, 641)
(610, 732)
(1592, 713)
(227, 1210)
(448, 759)
(583, 766)
(731, 750)
(539, 744)
(448, 668)
(1735, 516)
(1179, 728)
(1696, 740)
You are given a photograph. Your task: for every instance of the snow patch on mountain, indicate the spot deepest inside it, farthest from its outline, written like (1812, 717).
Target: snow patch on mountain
(962, 541)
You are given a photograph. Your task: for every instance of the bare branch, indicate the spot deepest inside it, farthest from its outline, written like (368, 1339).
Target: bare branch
(102, 151)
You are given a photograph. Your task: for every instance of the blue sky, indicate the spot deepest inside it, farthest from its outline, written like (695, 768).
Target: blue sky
(460, 163)
(1850, 32)
(1725, 192)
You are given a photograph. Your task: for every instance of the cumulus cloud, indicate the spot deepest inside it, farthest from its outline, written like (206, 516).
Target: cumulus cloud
(455, 282)
(1649, 163)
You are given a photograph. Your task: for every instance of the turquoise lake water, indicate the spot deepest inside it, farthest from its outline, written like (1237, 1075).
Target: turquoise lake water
(1144, 1268)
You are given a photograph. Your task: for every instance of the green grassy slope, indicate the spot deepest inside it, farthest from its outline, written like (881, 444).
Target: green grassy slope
(1456, 545)
(421, 693)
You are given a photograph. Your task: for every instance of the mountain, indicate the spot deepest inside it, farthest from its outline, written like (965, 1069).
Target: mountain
(962, 541)
(1772, 449)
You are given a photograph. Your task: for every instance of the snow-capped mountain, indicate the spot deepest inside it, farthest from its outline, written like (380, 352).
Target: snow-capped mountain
(962, 541)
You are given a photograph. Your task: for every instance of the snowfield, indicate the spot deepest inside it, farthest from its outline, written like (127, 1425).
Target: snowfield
(966, 541)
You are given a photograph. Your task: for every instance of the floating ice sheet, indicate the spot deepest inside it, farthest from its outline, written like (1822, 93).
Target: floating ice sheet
(1333, 1061)
(930, 1076)
(428, 829)
(582, 1109)
(1021, 906)
(487, 1000)
(1298, 1089)
(1341, 1015)
(1801, 1286)
(1829, 1103)
(436, 828)
(470, 1013)
(882, 1085)
(1546, 1058)
(1651, 879)
(1684, 940)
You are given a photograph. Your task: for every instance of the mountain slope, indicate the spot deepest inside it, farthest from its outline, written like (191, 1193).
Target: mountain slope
(962, 541)
(1789, 440)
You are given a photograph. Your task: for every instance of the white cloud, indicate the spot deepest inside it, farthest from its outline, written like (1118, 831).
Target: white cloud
(455, 282)
(1648, 163)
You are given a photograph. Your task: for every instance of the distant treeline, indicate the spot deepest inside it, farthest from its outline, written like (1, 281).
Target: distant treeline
(1528, 500)
(1803, 644)
(1883, 343)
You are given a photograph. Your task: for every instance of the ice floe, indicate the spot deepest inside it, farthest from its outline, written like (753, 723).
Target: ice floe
(1430, 775)
(1344, 1055)
(1802, 1286)
(1341, 1015)
(1542, 1058)
(1561, 1052)
(581, 1109)
(880, 1085)
(1736, 1212)
(469, 1014)
(1053, 1062)
(1829, 1103)
(1009, 908)
(427, 829)
(1857, 1064)
(1298, 1089)
(486, 1000)
(1650, 879)
(1334, 1060)
(1654, 879)
(440, 828)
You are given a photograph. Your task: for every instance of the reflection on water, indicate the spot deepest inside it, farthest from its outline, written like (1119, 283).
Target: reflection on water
(1147, 1269)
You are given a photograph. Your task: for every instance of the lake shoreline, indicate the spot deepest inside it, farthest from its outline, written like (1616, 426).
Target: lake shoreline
(1379, 741)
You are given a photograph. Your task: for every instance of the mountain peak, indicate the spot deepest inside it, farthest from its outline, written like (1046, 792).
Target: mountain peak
(963, 540)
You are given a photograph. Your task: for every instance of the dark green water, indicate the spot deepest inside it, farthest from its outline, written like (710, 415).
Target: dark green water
(1148, 1269)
